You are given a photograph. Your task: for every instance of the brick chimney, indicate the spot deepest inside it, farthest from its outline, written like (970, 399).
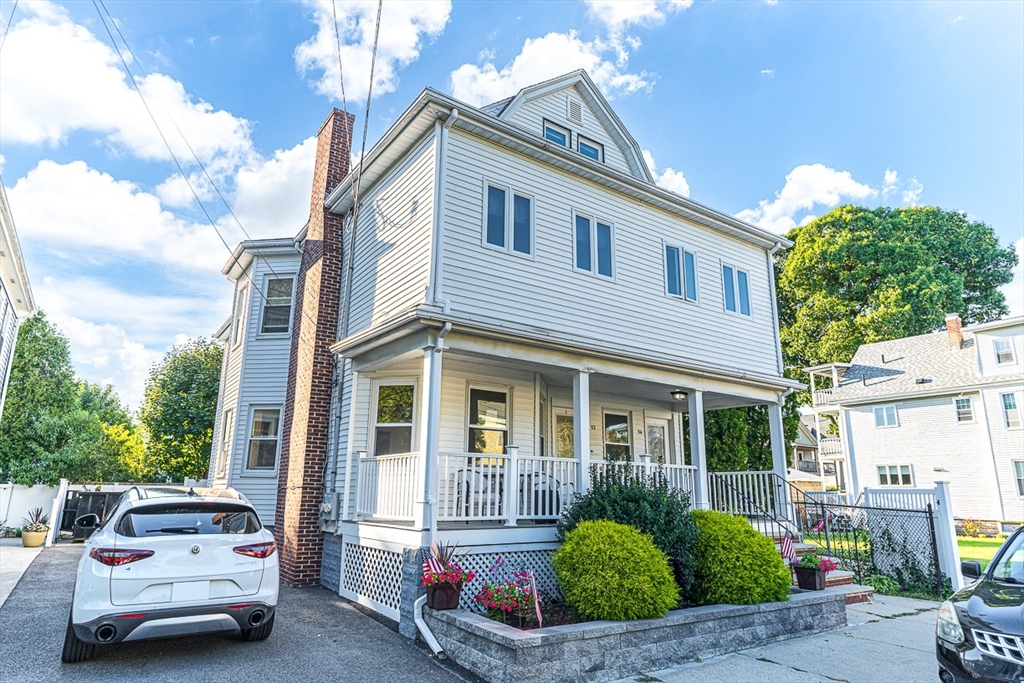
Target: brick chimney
(308, 397)
(953, 333)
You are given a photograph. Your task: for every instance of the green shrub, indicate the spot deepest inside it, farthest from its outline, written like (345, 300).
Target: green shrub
(612, 571)
(647, 504)
(882, 584)
(736, 565)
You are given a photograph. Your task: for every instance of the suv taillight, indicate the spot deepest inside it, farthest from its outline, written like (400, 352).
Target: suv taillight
(260, 550)
(115, 557)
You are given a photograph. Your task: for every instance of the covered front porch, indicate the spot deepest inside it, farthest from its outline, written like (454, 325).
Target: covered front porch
(453, 430)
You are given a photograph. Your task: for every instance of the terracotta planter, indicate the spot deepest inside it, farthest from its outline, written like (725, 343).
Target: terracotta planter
(444, 596)
(810, 579)
(32, 539)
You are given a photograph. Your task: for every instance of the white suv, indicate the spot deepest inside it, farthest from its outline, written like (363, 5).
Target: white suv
(168, 562)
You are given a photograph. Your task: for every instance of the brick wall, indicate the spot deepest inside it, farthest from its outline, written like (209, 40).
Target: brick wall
(308, 396)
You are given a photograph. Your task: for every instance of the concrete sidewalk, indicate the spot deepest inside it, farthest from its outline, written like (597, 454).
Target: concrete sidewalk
(14, 560)
(890, 641)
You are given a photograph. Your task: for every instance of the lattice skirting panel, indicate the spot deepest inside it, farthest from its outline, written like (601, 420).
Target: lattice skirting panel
(539, 561)
(372, 576)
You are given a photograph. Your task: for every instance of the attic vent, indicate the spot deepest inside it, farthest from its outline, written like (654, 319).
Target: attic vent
(922, 380)
(574, 110)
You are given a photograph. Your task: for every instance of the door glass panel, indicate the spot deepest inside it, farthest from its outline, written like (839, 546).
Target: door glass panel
(564, 436)
(656, 443)
(488, 421)
(616, 437)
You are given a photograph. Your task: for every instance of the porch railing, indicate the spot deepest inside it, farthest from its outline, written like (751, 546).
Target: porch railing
(822, 396)
(679, 476)
(387, 486)
(470, 487)
(747, 493)
(830, 445)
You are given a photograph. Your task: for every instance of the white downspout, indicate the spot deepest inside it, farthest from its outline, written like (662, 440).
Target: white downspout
(437, 251)
(775, 304)
(428, 637)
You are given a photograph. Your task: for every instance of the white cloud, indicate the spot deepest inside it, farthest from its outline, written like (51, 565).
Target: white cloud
(543, 58)
(272, 196)
(957, 19)
(768, 73)
(1014, 291)
(404, 26)
(889, 183)
(618, 15)
(913, 193)
(670, 179)
(806, 186)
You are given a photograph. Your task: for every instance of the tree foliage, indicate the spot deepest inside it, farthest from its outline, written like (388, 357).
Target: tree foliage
(738, 439)
(179, 408)
(857, 276)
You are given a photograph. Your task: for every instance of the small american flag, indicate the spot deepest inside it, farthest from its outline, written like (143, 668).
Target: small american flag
(787, 550)
(430, 563)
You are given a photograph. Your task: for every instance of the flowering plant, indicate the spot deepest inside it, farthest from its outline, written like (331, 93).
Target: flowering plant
(509, 591)
(814, 561)
(441, 567)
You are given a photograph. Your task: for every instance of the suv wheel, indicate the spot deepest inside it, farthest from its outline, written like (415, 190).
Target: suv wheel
(75, 649)
(261, 632)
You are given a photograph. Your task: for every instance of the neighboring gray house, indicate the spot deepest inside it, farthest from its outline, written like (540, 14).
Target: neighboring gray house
(16, 301)
(944, 406)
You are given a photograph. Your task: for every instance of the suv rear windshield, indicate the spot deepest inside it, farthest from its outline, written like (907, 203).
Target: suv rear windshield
(188, 518)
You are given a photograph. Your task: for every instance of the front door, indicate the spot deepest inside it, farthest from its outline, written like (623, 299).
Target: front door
(657, 440)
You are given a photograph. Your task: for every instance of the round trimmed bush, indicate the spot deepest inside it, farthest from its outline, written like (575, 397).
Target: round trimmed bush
(612, 571)
(736, 565)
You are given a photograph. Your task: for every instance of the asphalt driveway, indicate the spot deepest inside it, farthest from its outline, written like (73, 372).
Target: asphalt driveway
(317, 637)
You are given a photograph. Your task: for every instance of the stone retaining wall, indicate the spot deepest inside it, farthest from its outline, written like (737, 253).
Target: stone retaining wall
(610, 650)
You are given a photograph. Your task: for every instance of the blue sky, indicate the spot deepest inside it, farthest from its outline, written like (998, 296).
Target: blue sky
(774, 111)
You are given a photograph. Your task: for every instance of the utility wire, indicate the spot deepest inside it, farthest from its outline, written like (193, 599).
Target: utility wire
(9, 22)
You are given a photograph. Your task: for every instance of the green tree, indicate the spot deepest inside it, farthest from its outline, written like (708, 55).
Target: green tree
(179, 408)
(858, 275)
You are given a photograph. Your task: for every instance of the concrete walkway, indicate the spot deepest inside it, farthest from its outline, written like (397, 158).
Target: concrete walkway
(14, 560)
(890, 641)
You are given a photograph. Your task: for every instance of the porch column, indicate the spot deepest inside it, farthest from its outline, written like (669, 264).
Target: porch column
(430, 421)
(698, 449)
(778, 439)
(581, 424)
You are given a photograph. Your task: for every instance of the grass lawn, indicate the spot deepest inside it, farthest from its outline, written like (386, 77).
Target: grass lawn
(981, 549)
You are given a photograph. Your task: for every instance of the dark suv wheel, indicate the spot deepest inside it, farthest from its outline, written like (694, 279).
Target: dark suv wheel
(75, 649)
(261, 632)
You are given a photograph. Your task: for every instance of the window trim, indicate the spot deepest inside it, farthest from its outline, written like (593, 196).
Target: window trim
(375, 385)
(267, 277)
(629, 433)
(970, 408)
(240, 314)
(1013, 352)
(665, 245)
(263, 471)
(895, 412)
(899, 467)
(736, 270)
(547, 123)
(594, 219)
(227, 438)
(1004, 411)
(1018, 479)
(583, 140)
(510, 194)
(506, 389)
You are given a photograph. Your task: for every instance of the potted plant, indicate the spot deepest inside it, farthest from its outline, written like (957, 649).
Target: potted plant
(34, 528)
(510, 596)
(811, 571)
(443, 576)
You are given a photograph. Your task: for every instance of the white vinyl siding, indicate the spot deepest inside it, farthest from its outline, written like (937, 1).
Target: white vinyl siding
(1007, 342)
(886, 416)
(524, 294)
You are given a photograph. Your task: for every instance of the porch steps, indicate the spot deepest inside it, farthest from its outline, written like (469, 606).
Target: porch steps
(855, 593)
(800, 549)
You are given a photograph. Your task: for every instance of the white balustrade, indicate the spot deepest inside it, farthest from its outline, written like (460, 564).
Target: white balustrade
(470, 487)
(830, 445)
(546, 486)
(822, 396)
(746, 493)
(387, 486)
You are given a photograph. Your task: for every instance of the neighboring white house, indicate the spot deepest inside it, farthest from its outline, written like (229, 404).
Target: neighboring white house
(16, 301)
(944, 406)
(256, 340)
(523, 303)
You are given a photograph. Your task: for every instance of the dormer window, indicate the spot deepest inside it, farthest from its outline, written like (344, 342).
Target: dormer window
(589, 148)
(556, 134)
(1004, 352)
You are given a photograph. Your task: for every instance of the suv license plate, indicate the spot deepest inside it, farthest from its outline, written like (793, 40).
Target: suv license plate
(190, 590)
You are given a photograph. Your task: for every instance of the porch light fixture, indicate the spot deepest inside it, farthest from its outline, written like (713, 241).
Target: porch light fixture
(678, 395)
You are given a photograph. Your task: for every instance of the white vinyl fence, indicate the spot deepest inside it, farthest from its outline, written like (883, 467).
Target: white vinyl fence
(16, 501)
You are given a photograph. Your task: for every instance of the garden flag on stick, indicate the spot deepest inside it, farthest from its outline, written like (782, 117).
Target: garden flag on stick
(536, 600)
(787, 550)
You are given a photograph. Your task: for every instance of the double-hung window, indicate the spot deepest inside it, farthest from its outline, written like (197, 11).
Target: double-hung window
(488, 421)
(509, 220)
(894, 475)
(264, 439)
(616, 437)
(594, 245)
(238, 324)
(227, 436)
(392, 432)
(589, 148)
(735, 284)
(1011, 411)
(556, 134)
(1018, 471)
(680, 272)
(885, 416)
(1004, 352)
(277, 309)
(964, 411)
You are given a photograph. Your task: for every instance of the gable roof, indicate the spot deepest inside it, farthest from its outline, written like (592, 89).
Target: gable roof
(589, 93)
(12, 264)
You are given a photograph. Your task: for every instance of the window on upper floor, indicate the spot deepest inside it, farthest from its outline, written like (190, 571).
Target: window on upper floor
(1011, 411)
(680, 272)
(238, 324)
(277, 308)
(589, 148)
(594, 246)
(1018, 471)
(885, 416)
(227, 434)
(393, 421)
(735, 285)
(964, 410)
(556, 134)
(894, 475)
(509, 220)
(1004, 352)
(264, 439)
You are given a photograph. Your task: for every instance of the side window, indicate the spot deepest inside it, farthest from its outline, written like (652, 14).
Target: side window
(680, 272)
(238, 324)
(227, 434)
(556, 134)
(885, 416)
(277, 309)
(964, 410)
(1011, 411)
(736, 289)
(1004, 352)
(392, 431)
(894, 475)
(594, 245)
(508, 220)
(264, 439)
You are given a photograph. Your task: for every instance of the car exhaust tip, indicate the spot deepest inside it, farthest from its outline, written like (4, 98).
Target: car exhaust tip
(256, 618)
(946, 676)
(106, 633)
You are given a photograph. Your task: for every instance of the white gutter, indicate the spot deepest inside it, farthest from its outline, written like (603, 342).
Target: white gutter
(417, 615)
(775, 304)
